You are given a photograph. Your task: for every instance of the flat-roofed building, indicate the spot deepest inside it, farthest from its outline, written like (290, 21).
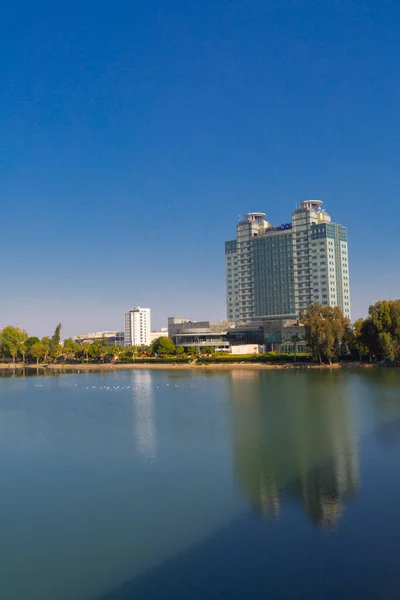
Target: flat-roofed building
(154, 335)
(198, 334)
(137, 327)
(110, 337)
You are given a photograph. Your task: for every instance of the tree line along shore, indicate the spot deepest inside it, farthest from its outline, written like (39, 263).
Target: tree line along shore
(330, 337)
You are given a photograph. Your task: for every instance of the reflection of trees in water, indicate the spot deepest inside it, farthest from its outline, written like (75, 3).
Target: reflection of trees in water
(293, 437)
(20, 371)
(381, 388)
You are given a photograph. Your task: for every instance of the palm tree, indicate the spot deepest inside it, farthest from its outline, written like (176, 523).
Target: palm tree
(86, 348)
(295, 339)
(102, 352)
(115, 351)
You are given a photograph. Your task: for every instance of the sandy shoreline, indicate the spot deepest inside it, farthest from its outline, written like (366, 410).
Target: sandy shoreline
(195, 367)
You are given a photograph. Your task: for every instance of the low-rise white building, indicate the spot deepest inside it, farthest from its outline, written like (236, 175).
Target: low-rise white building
(110, 337)
(247, 349)
(154, 335)
(138, 327)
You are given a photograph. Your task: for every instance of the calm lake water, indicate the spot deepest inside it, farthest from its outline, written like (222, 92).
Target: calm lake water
(171, 484)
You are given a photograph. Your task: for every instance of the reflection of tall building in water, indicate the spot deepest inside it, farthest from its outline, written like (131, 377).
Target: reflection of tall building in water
(253, 455)
(326, 486)
(144, 428)
(293, 437)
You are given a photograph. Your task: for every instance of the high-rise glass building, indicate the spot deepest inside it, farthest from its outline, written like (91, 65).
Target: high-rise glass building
(279, 271)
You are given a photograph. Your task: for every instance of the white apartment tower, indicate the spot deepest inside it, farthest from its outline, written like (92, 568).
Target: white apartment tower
(279, 271)
(138, 327)
(320, 259)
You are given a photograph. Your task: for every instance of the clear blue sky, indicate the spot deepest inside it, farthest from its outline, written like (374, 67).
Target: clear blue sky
(134, 133)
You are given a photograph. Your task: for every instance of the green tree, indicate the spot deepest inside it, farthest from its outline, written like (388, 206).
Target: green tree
(327, 347)
(179, 350)
(30, 341)
(339, 325)
(144, 350)
(11, 340)
(355, 339)
(37, 351)
(103, 352)
(70, 349)
(325, 329)
(46, 348)
(162, 345)
(94, 351)
(388, 346)
(22, 349)
(98, 352)
(85, 350)
(380, 331)
(127, 354)
(207, 350)
(55, 347)
(111, 353)
(312, 320)
(115, 352)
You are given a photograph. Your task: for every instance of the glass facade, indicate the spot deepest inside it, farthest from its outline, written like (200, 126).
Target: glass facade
(273, 274)
(232, 284)
(230, 247)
